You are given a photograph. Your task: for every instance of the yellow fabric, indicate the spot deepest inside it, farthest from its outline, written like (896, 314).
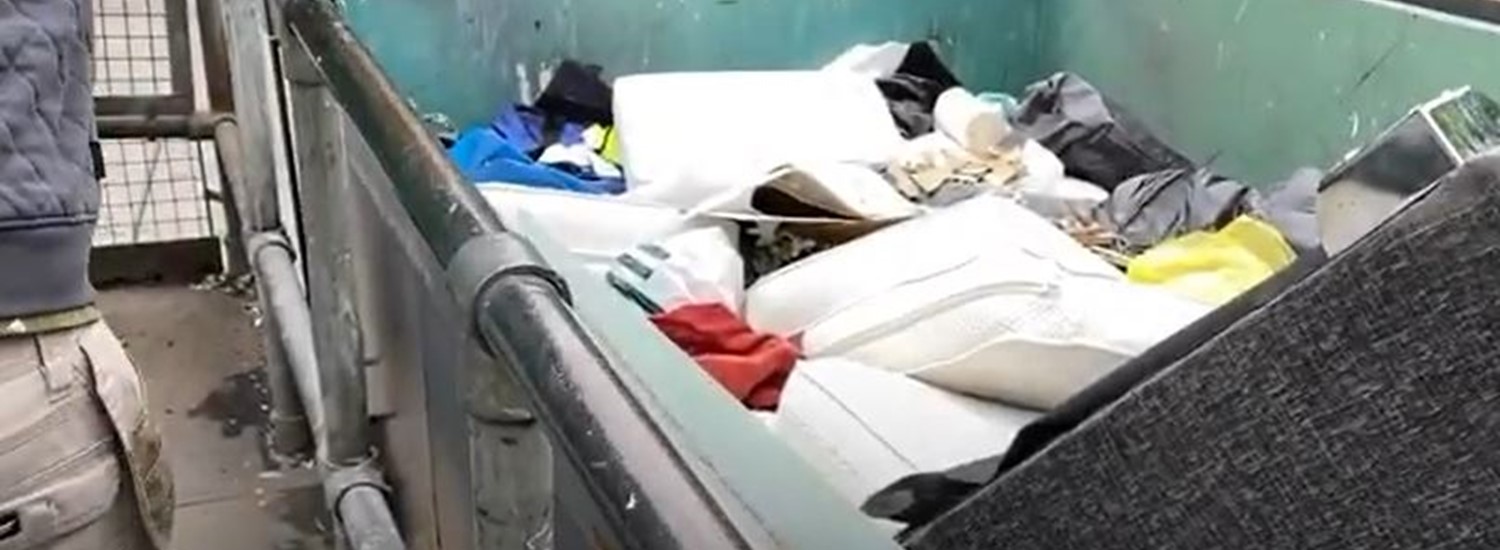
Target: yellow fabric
(1215, 267)
(602, 140)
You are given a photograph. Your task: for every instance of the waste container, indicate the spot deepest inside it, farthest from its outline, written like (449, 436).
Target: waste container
(1253, 88)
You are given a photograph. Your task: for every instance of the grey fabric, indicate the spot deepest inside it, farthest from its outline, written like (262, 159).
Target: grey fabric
(1096, 139)
(48, 195)
(1148, 209)
(1292, 206)
(1361, 409)
(1151, 208)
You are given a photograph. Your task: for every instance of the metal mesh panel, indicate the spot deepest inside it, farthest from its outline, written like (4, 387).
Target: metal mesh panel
(154, 191)
(132, 51)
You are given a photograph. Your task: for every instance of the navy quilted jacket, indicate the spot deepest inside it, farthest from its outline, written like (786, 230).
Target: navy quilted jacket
(49, 198)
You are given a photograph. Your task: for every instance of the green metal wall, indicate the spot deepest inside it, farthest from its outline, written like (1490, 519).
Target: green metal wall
(464, 57)
(1260, 86)
(1268, 85)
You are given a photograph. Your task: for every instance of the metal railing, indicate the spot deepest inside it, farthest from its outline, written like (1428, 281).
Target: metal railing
(504, 294)
(514, 427)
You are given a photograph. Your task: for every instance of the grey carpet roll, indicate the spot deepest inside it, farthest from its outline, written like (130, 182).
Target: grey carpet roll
(1360, 409)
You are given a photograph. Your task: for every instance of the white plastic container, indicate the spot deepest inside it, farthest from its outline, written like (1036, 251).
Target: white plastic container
(977, 126)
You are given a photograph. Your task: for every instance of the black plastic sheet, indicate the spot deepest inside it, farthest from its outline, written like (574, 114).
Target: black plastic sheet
(578, 93)
(912, 93)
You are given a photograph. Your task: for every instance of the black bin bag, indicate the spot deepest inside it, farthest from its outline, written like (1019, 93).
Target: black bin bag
(1096, 140)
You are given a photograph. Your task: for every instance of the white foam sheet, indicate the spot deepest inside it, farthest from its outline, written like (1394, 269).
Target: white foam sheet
(864, 428)
(686, 138)
(597, 228)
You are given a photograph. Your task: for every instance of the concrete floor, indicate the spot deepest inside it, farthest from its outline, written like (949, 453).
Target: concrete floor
(201, 357)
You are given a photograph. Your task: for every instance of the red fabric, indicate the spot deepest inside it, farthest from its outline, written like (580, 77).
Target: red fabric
(752, 366)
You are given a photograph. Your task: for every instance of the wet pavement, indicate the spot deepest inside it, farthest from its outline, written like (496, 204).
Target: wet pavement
(201, 357)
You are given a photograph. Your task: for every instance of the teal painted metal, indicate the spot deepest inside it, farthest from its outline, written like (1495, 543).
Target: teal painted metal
(1267, 86)
(1260, 86)
(465, 57)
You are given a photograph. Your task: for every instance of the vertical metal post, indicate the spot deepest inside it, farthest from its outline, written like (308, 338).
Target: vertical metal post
(220, 90)
(245, 30)
(247, 161)
(290, 436)
(313, 339)
(324, 177)
(370, 305)
(237, 264)
(215, 46)
(180, 53)
(510, 461)
(288, 321)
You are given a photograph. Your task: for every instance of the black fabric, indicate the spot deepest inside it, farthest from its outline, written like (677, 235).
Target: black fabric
(918, 499)
(1151, 208)
(1097, 141)
(912, 92)
(911, 100)
(923, 61)
(1359, 408)
(578, 93)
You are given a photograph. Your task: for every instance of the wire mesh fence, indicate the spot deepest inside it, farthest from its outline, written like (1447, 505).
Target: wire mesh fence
(132, 50)
(154, 190)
